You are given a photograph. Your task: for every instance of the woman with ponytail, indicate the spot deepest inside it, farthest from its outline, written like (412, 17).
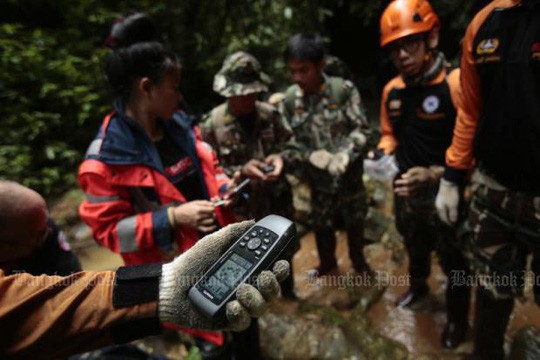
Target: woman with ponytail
(148, 178)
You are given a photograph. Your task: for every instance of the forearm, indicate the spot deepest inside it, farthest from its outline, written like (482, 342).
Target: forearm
(122, 231)
(59, 316)
(109, 210)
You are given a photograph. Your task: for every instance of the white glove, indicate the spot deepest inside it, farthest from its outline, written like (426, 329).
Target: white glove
(320, 158)
(177, 277)
(338, 163)
(447, 201)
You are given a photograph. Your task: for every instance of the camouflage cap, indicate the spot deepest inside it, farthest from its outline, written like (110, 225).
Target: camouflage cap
(240, 75)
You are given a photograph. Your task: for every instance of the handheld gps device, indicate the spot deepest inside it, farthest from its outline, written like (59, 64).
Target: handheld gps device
(256, 250)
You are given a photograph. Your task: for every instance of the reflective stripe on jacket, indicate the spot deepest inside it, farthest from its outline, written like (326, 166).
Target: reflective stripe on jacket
(127, 193)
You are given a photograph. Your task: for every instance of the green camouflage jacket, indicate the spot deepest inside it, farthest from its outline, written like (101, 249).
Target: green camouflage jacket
(332, 119)
(235, 145)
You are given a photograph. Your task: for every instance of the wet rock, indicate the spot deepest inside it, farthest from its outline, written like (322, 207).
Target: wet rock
(314, 331)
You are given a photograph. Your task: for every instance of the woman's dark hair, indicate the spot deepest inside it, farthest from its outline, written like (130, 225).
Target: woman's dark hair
(136, 53)
(309, 47)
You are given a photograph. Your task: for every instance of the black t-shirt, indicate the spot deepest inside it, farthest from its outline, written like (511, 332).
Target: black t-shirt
(179, 169)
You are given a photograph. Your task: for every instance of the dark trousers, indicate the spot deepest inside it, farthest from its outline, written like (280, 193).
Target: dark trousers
(422, 233)
(326, 246)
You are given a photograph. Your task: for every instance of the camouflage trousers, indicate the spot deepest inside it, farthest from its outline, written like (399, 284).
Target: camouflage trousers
(502, 231)
(423, 232)
(344, 210)
(338, 209)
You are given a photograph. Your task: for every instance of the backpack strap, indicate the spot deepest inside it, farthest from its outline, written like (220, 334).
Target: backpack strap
(337, 90)
(290, 99)
(218, 117)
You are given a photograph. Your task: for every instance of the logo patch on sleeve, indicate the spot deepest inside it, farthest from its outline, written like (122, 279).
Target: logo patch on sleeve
(394, 104)
(487, 46)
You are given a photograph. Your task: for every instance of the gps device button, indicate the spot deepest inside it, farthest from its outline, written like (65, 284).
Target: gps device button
(254, 243)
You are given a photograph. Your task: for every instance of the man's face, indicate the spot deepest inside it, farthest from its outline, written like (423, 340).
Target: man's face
(242, 105)
(23, 234)
(408, 54)
(307, 74)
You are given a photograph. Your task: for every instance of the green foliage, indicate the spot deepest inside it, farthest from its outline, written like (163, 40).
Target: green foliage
(48, 95)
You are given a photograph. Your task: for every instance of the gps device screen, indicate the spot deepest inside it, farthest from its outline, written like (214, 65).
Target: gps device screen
(227, 277)
(254, 251)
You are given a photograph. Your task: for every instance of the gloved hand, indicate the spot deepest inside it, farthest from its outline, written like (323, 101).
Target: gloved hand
(338, 163)
(178, 276)
(447, 201)
(320, 159)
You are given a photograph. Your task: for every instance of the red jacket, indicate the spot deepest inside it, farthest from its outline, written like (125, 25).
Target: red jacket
(127, 193)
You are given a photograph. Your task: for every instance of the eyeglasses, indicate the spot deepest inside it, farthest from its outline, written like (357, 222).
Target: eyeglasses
(410, 45)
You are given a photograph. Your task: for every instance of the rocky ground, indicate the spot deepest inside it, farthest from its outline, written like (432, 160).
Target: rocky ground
(342, 316)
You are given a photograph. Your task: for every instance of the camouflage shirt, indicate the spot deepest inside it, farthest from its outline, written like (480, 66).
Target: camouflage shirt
(236, 141)
(332, 119)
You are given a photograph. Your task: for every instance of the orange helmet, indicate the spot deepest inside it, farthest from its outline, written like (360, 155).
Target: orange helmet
(406, 17)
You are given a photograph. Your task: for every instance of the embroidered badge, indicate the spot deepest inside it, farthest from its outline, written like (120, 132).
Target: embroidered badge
(487, 46)
(431, 104)
(394, 104)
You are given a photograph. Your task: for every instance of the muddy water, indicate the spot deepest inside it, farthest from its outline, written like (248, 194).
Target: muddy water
(418, 331)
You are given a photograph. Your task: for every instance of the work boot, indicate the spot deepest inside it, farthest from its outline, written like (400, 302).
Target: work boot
(413, 295)
(457, 310)
(490, 325)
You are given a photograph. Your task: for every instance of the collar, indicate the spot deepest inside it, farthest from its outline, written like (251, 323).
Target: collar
(124, 141)
(324, 89)
(431, 74)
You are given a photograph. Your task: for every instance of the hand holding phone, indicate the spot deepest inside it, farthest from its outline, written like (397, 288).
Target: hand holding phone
(273, 166)
(225, 198)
